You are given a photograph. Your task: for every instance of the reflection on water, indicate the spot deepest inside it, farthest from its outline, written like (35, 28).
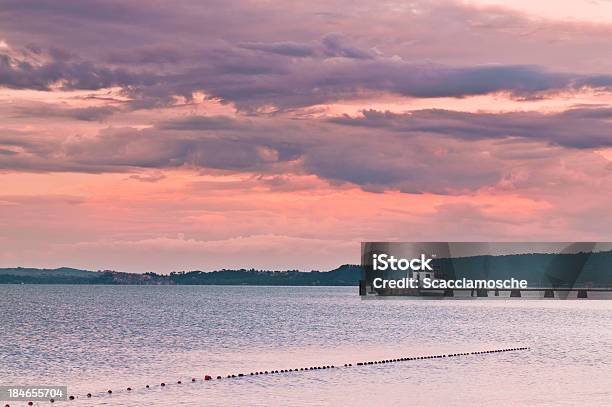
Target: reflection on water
(93, 338)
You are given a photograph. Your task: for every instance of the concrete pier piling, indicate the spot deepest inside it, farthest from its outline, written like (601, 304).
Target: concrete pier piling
(362, 287)
(482, 293)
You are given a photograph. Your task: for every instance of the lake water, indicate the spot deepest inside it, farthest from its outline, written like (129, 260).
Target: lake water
(94, 338)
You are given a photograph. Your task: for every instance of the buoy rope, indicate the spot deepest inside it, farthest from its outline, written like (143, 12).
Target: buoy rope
(304, 369)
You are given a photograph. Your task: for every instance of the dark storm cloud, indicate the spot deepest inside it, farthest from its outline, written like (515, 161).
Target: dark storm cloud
(44, 110)
(575, 128)
(337, 46)
(330, 45)
(161, 54)
(156, 51)
(374, 164)
(337, 71)
(251, 80)
(71, 74)
(120, 150)
(90, 10)
(423, 151)
(287, 48)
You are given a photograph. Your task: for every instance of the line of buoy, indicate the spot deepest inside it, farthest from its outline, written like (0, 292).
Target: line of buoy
(304, 369)
(450, 355)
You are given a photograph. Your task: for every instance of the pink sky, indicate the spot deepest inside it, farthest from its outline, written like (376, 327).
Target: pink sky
(144, 136)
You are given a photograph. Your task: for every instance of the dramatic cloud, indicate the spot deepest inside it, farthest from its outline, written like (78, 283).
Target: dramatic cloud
(315, 67)
(251, 81)
(44, 110)
(578, 127)
(145, 135)
(291, 49)
(421, 151)
(71, 74)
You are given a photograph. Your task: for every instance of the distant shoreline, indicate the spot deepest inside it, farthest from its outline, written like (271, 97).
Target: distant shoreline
(538, 269)
(346, 275)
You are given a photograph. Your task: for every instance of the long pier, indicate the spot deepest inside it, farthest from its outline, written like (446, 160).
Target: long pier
(547, 292)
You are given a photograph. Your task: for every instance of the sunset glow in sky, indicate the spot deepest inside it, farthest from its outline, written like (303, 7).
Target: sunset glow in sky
(165, 136)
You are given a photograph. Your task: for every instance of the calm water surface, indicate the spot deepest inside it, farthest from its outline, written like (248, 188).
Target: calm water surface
(94, 338)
